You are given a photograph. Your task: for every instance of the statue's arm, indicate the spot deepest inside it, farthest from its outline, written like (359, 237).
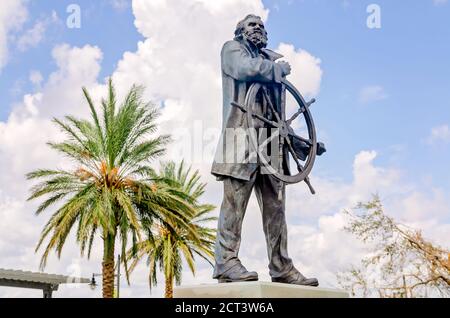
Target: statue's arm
(237, 63)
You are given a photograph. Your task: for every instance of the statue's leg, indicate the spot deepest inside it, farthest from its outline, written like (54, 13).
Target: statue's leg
(281, 268)
(274, 224)
(235, 200)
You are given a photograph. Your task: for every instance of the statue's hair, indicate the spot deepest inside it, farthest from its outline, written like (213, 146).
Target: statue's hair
(241, 24)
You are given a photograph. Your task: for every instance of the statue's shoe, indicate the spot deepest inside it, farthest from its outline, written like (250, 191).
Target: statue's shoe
(241, 274)
(298, 280)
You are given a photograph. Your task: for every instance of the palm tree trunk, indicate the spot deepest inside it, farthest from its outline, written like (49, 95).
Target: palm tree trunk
(108, 266)
(169, 286)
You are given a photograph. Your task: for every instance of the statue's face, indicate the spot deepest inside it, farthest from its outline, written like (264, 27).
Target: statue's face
(255, 32)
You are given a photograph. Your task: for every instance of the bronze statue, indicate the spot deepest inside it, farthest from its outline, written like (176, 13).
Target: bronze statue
(254, 94)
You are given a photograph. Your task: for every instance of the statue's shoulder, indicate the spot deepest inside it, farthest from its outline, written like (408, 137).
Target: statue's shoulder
(232, 45)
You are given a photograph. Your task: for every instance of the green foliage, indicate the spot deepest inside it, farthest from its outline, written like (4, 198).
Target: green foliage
(401, 262)
(111, 190)
(169, 241)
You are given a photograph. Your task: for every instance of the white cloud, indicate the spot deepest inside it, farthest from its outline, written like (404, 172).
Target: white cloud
(33, 36)
(335, 194)
(35, 78)
(306, 72)
(23, 148)
(181, 65)
(424, 206)
(440, 2)
(439, 134)
(370, 94)
(13, 14)
(186, 57)
(317, 242)
(28, 128)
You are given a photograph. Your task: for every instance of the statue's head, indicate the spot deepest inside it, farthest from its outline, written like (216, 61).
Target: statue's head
(252, 29)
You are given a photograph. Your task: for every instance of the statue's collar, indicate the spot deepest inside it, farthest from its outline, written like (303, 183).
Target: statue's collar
(269, 54)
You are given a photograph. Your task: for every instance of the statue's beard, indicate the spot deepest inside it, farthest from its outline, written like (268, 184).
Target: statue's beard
(259, 39)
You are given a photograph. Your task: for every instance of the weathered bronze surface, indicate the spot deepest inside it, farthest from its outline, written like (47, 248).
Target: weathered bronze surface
(254, 100)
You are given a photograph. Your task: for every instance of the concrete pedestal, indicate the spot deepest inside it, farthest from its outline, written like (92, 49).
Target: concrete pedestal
(256, 290)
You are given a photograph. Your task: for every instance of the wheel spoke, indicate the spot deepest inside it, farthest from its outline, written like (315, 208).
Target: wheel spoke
(307, 141)
(269, 122)
(294, 155)
(298, 113)
(267, 98)
(301, 111)
(300, 168)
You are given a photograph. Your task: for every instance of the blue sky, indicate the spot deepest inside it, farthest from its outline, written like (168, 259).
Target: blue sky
(407, 59)
(385, 90)
(104, 26)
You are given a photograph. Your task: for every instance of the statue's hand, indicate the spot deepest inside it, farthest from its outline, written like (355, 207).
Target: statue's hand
(321, 148)
(285, 67)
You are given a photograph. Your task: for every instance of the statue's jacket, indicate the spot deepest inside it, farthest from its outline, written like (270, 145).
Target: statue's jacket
(243, 65)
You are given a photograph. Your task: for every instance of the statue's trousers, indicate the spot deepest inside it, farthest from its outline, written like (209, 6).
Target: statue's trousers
(235, 200)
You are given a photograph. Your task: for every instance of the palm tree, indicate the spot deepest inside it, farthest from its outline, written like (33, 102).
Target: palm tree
(110, 191)
(168, 242)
